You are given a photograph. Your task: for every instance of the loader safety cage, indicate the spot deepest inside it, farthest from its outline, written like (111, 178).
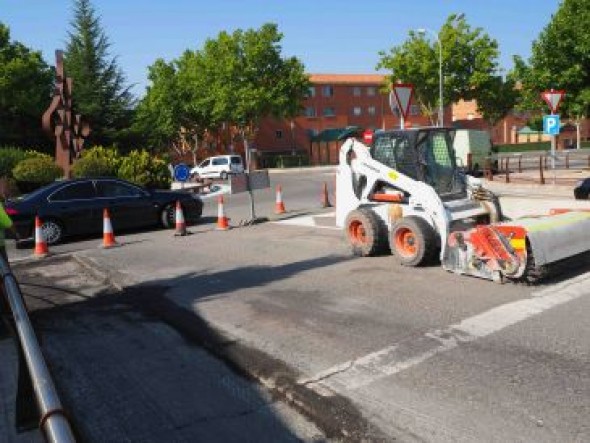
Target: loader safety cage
(424, 154)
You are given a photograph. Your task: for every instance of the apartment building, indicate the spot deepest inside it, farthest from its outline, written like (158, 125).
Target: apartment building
(335, 101)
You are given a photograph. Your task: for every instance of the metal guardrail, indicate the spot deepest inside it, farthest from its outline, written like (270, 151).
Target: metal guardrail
(53, 423)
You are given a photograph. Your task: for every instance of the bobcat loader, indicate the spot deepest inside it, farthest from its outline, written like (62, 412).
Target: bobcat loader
(406, 193)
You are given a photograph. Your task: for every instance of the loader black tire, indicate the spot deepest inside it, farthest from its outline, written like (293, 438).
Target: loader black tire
(366, 233)
(413, 241)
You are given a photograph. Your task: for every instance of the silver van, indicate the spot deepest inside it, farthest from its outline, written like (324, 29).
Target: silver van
(220, 166)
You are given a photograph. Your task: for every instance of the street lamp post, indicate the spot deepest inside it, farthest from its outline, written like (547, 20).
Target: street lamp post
(441, 110)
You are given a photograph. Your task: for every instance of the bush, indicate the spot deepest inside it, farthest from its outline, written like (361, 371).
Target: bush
(97, 162)
(9, 158)
(141, 168)
(36, 171)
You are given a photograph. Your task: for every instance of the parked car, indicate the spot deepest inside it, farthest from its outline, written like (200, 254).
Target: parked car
(73, 207)
(582, 189)
(219, 167)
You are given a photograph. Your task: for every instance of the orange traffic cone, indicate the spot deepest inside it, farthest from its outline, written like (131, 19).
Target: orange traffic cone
(41, 249)
(325, 198)
(108, 237)
(180, 224)
(279, 205)
(222, 220)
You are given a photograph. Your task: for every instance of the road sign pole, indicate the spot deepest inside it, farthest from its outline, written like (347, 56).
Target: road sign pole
(401, 122)
(553, 144)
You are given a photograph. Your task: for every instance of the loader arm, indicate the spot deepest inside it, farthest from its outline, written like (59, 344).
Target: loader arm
(359, 175)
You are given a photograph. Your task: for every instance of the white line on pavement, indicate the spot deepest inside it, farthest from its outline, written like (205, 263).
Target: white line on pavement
(367, 369)
(308, 221)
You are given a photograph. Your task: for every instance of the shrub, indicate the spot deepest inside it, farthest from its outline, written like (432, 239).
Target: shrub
(97, 162)
(39, 169)
(9, 158)
(141, 168)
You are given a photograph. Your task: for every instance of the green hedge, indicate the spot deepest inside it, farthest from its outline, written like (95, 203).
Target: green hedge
(142, 168)
(284, 161)
(97, 162)
(524, 147)
(40, 170)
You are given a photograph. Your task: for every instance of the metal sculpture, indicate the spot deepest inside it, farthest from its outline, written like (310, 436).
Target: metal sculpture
(69, 130)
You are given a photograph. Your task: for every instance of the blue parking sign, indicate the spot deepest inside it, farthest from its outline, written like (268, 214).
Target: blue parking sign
(551, 124)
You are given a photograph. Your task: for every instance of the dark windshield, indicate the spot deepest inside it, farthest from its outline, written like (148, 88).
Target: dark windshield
(437, 157)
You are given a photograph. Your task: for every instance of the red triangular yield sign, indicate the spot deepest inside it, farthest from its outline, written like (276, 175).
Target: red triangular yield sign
(553, 99)
(403, 96)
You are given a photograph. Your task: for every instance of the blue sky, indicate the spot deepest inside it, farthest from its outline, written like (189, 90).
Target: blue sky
(329, 36)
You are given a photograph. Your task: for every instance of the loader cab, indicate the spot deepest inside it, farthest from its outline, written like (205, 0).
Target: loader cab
(424, 154)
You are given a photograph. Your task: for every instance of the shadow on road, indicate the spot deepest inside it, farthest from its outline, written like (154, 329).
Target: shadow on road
(135, 366)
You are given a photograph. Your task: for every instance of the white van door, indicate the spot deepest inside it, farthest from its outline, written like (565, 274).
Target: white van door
(219, 166)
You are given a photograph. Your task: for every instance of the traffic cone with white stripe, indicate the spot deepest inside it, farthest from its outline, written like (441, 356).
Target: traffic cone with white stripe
(108, 236)
(279, 205)
(179, 219)
(41, 249)
(222, 220)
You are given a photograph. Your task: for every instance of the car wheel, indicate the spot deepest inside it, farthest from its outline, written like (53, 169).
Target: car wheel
(581, 195)
(168, 216)
(53, 231)
(223, 175)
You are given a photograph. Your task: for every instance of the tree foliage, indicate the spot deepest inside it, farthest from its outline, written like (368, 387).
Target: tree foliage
(233, 80)
(99, 90)
(561, 60)
(25, 85)
(469, 63)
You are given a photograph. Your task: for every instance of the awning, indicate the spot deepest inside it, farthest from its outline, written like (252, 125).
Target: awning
(334, 134)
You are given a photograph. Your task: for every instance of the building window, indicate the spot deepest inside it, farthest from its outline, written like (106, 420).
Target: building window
(371, 110)
(279, 134)
(356, 110)
(371, 91)
(311, 91)
(329, 112)
(310, 111)
(327, 91)
(356, 91)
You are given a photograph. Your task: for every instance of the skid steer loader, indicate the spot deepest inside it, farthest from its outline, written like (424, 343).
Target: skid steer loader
(406, 193)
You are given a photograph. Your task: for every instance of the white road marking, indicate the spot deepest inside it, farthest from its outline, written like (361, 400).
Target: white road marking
(367, 369)
(308, 221)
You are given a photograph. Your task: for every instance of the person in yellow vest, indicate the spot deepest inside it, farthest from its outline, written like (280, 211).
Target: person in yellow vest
(5, 224)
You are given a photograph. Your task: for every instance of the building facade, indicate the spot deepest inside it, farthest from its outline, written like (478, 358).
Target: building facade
(335, 101)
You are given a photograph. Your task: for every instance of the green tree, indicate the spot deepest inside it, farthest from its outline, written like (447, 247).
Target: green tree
(560, 59)
(496, 98)
(234, 80)
(99, 90)
(25, 86)
(469, 63)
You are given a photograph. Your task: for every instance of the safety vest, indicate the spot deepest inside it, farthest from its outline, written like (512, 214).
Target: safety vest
(5, 223)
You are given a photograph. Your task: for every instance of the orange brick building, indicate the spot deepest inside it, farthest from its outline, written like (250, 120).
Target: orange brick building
(334, 101)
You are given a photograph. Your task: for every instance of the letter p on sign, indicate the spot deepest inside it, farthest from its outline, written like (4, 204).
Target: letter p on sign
(551, 124)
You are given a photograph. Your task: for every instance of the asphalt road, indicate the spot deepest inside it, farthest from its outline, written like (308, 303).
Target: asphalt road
(364, 348)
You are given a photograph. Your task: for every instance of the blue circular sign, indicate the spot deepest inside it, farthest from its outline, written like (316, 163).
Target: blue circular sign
(181, 172)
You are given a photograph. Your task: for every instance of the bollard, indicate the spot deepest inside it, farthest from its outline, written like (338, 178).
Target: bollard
(546, 162)
(520, 164)
(507, 170)
(567, 160)
(542, 178)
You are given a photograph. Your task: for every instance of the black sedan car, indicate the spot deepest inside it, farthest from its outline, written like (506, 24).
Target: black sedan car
(582, 189)
(75, 207)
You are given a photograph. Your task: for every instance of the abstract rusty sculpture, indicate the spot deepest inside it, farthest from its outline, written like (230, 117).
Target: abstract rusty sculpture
(69, 131)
